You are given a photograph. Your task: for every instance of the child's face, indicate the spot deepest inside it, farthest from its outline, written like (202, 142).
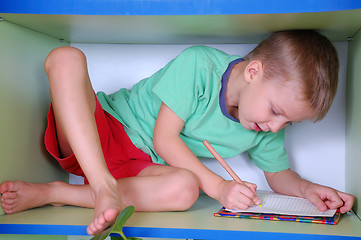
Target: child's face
(266, 105)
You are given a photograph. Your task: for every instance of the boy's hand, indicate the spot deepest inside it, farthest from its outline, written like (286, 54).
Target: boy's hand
(234, 195)
(328, 198)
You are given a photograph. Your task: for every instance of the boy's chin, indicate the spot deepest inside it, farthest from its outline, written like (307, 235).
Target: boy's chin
(245, 126)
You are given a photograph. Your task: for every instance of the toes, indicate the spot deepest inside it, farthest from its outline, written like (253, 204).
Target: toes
(110, 215)
(6, 186)
(96, 226)
(100, 222)
(9, 201)
(8, 208)
(91, 229)
(108, 218)
(103, 221)
(9, 198)
(9, 195)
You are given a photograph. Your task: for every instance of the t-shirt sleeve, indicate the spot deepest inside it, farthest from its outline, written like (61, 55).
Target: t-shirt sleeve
(270, 154)
(180, 85)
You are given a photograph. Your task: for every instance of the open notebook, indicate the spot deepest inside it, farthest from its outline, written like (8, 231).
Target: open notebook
(283, 208)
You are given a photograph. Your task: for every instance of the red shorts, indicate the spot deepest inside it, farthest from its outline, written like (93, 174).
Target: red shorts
(122, 157)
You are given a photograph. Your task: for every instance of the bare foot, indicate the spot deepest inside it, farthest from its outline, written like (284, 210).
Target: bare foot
(108, 204)
(102, 221)
(17, 196)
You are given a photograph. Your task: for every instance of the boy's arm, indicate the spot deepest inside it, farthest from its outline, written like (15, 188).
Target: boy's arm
(176, 153)
(288, 182)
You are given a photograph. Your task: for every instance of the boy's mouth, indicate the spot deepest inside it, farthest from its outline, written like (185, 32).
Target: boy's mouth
(256, 127)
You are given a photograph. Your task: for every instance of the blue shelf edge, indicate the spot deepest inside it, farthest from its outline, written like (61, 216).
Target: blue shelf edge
(43, 229)
(224, 234)
(173, 7)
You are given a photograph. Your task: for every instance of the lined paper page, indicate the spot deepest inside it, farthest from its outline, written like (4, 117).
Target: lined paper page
(286, 205)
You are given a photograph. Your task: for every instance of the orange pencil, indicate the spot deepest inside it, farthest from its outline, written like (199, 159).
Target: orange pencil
(223, 163)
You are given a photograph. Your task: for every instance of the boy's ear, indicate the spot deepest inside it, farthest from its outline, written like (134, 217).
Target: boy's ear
(253, 69)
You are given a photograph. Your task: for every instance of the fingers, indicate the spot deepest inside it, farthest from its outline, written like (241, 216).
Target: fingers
(317, 201)
(254, 197)
(332, 199)
(240, 196)
(326, 201)
(251, 186)
(348, 201)
(248, 196)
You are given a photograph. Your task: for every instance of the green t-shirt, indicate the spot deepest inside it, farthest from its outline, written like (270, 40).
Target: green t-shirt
(190, 85)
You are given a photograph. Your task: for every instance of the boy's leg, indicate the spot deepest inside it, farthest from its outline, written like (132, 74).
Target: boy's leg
(74, 104)
(156, 188)
(160, 188)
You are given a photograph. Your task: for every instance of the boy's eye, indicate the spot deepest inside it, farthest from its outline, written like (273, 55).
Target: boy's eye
(274, 112)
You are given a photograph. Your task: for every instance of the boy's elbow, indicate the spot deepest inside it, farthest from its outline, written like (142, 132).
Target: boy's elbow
(163, 144)
(158, 142)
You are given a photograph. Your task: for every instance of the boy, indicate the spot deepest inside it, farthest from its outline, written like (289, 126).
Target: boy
(121, 142)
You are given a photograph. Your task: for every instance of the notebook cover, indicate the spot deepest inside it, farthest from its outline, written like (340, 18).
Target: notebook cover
(278, 217)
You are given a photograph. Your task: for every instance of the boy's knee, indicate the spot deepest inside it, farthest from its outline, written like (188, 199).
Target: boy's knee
(62, 57)
(185, 189)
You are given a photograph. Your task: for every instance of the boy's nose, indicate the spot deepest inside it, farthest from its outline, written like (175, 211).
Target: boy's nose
(275, 126)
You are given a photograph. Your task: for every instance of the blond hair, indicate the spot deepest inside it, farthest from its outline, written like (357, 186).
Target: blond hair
(304, 56)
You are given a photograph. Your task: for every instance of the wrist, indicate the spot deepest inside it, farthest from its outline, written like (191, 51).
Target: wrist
(304, 188)
(216, 190)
